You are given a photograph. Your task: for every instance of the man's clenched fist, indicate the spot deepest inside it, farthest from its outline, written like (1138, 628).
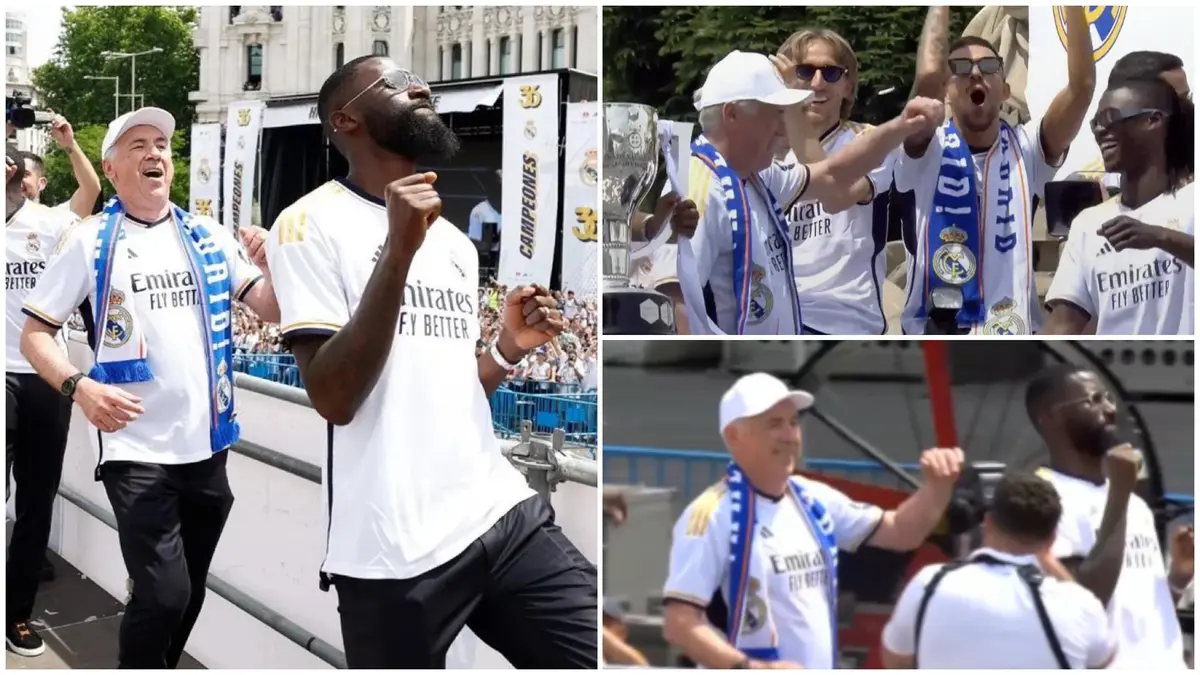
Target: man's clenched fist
(412, 206)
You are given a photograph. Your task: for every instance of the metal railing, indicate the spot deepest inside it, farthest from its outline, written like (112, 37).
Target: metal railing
(545, 405)
(545, 465)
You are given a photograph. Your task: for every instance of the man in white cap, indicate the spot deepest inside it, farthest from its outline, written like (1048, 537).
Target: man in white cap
(761, 545)
(155, 286)
(736, 272)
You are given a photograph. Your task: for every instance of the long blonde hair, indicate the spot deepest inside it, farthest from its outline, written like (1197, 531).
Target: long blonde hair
(795, 46)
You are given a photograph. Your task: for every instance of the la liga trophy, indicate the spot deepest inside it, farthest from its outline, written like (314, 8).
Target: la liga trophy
(630, 161)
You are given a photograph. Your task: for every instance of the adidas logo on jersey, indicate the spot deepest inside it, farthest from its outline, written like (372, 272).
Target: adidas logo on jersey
(1105, 248)
(132, 255)
(378, 254)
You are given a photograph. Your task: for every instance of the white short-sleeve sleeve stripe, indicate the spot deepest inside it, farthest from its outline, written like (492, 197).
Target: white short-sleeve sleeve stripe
(305, 275)
(66, 281)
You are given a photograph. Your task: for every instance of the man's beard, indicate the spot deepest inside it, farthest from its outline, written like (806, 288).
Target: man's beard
(1095, 439)
(410, 133)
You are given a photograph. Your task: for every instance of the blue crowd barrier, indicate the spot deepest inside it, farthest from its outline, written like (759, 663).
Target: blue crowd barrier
(547, 405)
(691, 471)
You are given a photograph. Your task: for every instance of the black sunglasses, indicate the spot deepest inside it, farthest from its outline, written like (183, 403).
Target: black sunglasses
(1107, 117)
(988, 65)
(398, 79)
(830, 74)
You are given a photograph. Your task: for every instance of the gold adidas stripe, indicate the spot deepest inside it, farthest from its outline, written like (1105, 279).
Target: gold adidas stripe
(701, 509)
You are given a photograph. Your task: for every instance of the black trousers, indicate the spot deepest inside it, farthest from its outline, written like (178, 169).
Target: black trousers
(169, 520)
(35, 439)
(522, 588)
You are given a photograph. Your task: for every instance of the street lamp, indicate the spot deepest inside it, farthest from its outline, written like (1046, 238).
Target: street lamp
(116, 95)
(132, 67)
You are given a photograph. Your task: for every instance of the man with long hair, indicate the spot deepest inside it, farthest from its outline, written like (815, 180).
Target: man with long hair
(1128, 263)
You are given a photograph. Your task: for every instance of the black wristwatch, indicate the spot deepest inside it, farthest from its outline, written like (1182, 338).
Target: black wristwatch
(69, 384)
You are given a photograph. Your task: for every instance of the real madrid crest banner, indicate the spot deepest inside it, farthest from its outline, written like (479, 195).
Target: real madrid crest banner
(529, 180)
(204, 187)
(580, 214)
(1116, 30)
(241, 153)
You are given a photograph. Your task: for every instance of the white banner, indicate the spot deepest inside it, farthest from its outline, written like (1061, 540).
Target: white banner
(204, 187)
(241, 153)
(529, 203)
(580, 240)
(1116, 31)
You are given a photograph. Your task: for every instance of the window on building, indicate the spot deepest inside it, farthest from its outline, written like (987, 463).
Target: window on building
(380, 48)
(12, 51)
(339, 55)
(574, 47)
(558, 48)
(254, 63)
(487, 57)
(506, 55)
(456, 62)
(541, 43)
(277, 12)
(233, 13)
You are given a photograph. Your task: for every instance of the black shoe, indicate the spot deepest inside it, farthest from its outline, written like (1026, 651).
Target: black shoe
(47, 573)
(23, 640)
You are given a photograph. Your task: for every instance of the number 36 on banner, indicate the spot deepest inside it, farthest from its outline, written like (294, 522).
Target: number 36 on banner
(586, 230)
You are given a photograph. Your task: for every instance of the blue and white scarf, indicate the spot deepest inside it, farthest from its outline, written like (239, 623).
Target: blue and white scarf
(962, 216)
(742, 562)
(121, 332)
(737, 205)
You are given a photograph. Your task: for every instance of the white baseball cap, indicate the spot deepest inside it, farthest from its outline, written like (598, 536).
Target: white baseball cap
(156, 117)
(755, 394)
(747, 76)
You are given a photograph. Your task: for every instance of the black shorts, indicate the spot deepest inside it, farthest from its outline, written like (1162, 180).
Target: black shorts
(522, 588)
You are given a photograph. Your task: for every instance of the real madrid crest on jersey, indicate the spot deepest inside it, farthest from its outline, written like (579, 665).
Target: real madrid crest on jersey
(204, 173)
(224, 388)
(119, 325)
(32, 245)
(761, 300)
(953, 262)
(1004, 320)
(587, 171)
(755, 616)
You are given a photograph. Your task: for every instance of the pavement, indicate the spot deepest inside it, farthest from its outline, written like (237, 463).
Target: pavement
(79, 622)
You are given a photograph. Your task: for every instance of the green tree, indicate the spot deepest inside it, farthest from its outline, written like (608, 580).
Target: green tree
(163, 79)
(659, 55)
(60, 177)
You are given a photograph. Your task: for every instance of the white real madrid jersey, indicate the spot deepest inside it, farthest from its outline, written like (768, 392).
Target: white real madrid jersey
(168, 304)
(29, 239)
(839, 258)
(1131, 292)
(794, 596)
(920, 176)
(770, 283)
(417, 475)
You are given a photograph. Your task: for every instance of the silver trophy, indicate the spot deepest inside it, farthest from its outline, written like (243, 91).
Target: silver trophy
(630, 163)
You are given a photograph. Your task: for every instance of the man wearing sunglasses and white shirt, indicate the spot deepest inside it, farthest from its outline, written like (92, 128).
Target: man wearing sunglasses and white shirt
(430, 529)
(970, 268)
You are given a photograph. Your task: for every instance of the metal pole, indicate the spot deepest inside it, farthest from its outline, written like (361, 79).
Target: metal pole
(117, 99)
(133, 82)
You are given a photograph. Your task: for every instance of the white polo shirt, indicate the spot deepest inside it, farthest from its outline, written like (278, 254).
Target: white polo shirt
(30, 236)
(417, 475)
(984, 616)
(797, 588)
(169, 306)
(1141, 608)
(839, 258)
(1131, 292)
(771, 284)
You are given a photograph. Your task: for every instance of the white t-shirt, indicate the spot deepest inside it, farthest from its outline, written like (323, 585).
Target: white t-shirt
(984, 616)
(797, 588)
(1141, 608)
(29, 238)
(920, 175)
(417, 475)
(838, 256)
(1129, 292)
(483, 212)
(771, 284)
(169, 306)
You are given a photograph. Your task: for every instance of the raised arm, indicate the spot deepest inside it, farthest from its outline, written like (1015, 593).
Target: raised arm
(1064, 117)
(933, 72)
(869, 150)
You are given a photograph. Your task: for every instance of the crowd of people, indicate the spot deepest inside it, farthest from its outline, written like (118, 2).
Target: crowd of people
(809, 223)
(566, 364)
